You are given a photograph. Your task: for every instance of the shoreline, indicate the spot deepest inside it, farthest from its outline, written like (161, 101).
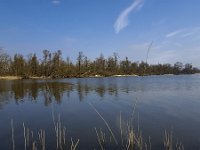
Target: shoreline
(95, 76)
(20, 78)
(10, 78)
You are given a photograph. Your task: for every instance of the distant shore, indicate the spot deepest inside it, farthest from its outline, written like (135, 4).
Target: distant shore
(10, 77)
(19, 77)
(43, 77)
(94, 76)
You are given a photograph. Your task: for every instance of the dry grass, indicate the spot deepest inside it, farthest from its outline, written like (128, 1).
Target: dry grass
(18, 77)
(37, 140)
(10, 77)
(129, 137)
(106, 123)
(169, 142)
(13, 139)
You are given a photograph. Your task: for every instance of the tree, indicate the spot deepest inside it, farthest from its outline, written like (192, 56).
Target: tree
(46, 64)
(100, 64)
(79, 62)
(125, 66)
(188, 69)
(33, 65)
(56, 64)
(4, 63)
(178, 66)
(18, 65)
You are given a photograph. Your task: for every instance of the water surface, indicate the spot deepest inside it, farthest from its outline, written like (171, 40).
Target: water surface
(161, 103)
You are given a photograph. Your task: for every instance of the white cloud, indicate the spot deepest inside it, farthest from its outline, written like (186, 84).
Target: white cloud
(122, 20)
(56, 1)
(174, 33)
(191, 32)
(185, 33)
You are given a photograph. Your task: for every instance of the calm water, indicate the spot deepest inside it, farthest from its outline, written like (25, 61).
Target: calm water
(161, 103)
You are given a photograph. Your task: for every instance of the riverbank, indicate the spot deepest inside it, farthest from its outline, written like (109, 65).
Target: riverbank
(10, 78)
(92, 76)
(43, 77)
(20, 78)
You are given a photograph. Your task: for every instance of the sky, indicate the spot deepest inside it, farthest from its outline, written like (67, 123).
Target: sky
(126, 27)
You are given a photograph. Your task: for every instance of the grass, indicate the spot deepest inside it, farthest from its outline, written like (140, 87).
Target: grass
(10, 77)
(37, 140)
(21, 77)
(129, 137)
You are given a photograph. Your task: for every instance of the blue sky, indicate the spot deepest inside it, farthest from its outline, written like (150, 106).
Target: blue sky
(126, 27)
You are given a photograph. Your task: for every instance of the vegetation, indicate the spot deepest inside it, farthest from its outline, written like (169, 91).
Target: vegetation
(129, 139)
(54, 66)
(127, 136)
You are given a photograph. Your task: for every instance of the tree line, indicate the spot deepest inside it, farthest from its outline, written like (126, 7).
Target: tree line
(53, 65)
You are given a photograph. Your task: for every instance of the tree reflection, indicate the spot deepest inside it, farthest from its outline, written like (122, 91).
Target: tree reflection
(33, 89)
(52, 90)
(18, 89)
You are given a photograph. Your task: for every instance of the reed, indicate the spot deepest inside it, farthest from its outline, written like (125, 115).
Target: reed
(106, 123)
(101, 138)
(168, 142)
(74, 145)
(131, 139)
(41, 135)
(13, 131)
(120, 126)
(24, 136)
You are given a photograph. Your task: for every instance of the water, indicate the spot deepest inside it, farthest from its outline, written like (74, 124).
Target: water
(159, 103)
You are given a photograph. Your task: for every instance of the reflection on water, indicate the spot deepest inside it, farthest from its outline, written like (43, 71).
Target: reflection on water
(21, 90)
(30, 90)
(51, 90)
(163, 102)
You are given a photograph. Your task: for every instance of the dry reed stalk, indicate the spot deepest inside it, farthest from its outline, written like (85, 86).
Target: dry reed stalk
(131, 141)
(34, 147)
(64, 135)
(73, 146)
(134, 108)
(149, 143)
(99, 139)
(120, 126)
(28, 136)
(13, 140)
(179, 146)
(168, 140)
(109, 128)
(24, 136)
(60, 133)
(57, 135)
(140, 139)
(41, 136)
(147, 56)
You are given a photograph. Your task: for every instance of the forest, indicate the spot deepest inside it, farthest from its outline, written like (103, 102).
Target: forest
(53, 65)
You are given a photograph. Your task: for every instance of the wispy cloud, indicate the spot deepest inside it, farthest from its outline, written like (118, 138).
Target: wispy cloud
(174, 33)
(191, 32)
(56, 1)
(185, 33)
(122, 20)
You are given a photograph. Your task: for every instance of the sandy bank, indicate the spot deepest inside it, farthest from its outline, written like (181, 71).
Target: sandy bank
(10, 77)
